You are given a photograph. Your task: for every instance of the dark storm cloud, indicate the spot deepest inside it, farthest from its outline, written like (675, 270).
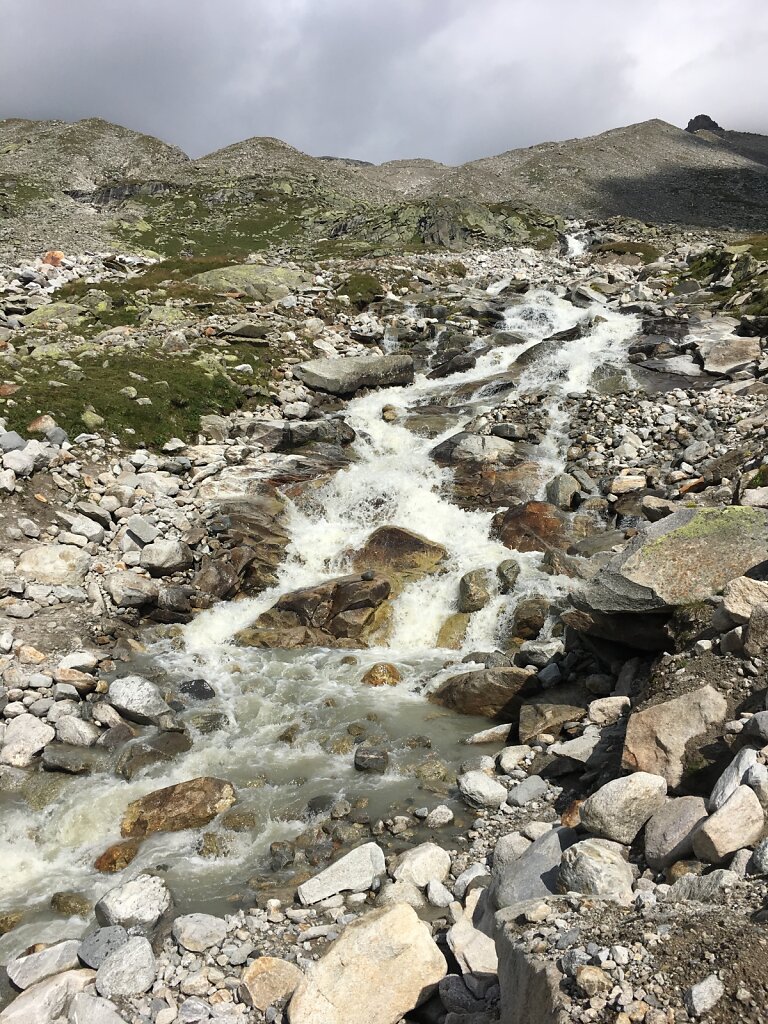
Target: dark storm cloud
(383, 79)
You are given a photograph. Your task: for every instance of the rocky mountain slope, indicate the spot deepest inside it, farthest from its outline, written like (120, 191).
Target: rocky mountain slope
(94, 185)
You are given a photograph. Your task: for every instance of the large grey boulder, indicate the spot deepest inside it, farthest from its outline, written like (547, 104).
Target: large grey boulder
(138, 903)
(532, 875)
(733, 776)
(25, 736)
(165, 557)
(686, 557)
(597, 867)
(87, 1009)
(267, 284)
(530, 988)
(129, 590)
(620, 808)
(348, 374)
(669, 833)
(128, 971)
(137, 699)
(382, 966)
(354, 872)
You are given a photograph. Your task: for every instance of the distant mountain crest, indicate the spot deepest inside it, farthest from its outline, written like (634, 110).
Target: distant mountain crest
(704, 123)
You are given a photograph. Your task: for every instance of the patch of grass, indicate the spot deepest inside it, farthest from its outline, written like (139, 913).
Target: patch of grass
(647, 253)
(362, 289)
(182, 388)
(757, 246)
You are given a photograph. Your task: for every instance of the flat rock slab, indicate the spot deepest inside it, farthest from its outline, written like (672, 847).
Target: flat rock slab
(185, 805)
(686, 557)
(383, 965)
(348, 374)
(259, 282)
(354, 872)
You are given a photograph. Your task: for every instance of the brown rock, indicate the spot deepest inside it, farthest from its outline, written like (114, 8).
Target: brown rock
(339, 613)
(117, 856)
(53, 258)
(9, 919)
(382, 674)
(267, 981)
(534, 526)
(452, 632)
(493, 692)
(548, 713)
(400, 553)
(186, 805)
(657, 737)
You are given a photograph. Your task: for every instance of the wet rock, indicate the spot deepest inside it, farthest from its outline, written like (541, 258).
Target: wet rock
(185, 805)
(137, 699)
(562, 491)
(25, 971)
(474, 592)
(738, 823)
(157, 749)
(508, 572)
(268, 981)
(494, 693)
(596, 867)
(331, 614)
(198, 932)
(71, 904)
(197, 689)
(669, 832)
(620, 808)
(389, 952)
(422, 864)
(348, 374)
(139, 903)
(382, 674)
(534, 526)
(371, 759)
(354, 872)
(399, 554)
(480, 790)
(97, 946)
(128, 971)
(45, 1002)
(117, 856)
(657, 737)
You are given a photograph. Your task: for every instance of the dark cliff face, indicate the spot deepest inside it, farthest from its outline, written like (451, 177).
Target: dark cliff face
(704, 123)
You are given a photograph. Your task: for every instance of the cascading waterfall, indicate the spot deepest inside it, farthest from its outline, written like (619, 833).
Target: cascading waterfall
(392, 480)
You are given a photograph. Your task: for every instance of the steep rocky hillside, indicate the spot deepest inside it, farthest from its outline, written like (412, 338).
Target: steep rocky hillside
(93, 185)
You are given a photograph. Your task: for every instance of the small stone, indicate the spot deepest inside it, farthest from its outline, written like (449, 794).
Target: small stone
(128, 970)
(480, 790)
(267, 981)
(198, 932)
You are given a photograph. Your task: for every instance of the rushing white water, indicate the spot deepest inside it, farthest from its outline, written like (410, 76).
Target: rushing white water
(392, 480)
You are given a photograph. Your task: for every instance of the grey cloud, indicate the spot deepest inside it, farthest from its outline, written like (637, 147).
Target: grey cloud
(383, 79)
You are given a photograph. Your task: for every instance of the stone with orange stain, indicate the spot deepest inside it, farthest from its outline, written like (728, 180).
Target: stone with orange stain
(53, 258)
(117, 856)
(382, 674)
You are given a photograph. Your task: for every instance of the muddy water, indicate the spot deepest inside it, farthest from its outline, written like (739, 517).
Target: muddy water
(316, 694)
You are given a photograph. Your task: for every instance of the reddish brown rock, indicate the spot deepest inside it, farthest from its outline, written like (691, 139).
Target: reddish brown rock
(117, 856)
(534, 526)
(382, 674)
(397, 552)
(53, 258)
(493, 692)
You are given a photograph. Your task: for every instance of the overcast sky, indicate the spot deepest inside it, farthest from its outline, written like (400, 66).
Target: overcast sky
(384, 79)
